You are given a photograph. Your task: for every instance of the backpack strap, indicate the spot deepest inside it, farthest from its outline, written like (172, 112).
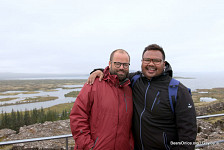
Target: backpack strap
(134, 79)
(172, 89)
(189, 90)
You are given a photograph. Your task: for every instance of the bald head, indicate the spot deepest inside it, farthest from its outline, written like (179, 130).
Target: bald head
(118, 51)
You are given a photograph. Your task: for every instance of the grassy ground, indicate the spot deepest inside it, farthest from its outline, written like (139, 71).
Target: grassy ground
(72, 94)
(71, 87)
(35, 85)
(7, 99)
(31, 86)
(61, 107)
(39, 99)
(217, 93)
(215, 119)
(17, 93)
(32, 100)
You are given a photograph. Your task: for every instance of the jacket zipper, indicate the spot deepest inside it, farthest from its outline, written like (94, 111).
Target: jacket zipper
(117, 119)
(142, 114)
(155, 100)
(125, 102)
(95, 142)
(165, 141)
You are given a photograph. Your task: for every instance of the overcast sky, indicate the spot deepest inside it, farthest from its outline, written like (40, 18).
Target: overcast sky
(75, 36)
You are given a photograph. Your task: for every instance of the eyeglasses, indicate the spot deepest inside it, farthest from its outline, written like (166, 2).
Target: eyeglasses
(118, 64)
(148, 60)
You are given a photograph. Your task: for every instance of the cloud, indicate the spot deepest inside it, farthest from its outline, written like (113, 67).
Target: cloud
(73, 36)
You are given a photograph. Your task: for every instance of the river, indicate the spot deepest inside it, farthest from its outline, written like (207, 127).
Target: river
(29, 106)
(191, 80)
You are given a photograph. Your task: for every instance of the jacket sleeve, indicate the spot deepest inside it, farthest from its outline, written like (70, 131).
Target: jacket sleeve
(132, 74)
(101, 69)
(79, 119)
(185, 119)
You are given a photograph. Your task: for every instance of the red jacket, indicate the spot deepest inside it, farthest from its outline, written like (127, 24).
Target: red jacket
(102, 115)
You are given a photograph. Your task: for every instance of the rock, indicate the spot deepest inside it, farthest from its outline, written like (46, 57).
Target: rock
(205, 110)
(6, 132)
(47, 129)
(220, 123)
(207, 133)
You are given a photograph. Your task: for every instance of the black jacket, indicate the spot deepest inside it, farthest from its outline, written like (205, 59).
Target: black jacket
(155, 126)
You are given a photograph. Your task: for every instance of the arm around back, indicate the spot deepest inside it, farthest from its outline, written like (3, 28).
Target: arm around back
(132, 74)
(95, 73)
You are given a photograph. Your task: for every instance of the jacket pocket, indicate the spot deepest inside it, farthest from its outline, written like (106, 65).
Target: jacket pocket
(128, 102)
(165, 141)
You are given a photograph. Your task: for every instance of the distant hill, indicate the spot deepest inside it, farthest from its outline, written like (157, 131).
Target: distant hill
(28, 76)
(14, 76)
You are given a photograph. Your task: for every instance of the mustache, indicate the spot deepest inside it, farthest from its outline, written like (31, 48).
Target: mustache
(121, 70)
(147, 67)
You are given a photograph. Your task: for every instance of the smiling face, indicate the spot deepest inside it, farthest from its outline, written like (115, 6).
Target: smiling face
(150, 65)
(121, 58)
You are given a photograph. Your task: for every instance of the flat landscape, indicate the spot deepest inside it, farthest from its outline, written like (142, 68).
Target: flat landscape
(13, 89)
(22, 87)
(34, 85)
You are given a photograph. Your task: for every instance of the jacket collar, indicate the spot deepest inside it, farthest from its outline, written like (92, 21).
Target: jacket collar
(113, 79)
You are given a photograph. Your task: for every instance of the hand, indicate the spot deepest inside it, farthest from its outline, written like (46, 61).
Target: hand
(93, 76)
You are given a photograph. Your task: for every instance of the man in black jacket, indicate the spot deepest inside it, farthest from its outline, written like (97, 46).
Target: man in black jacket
(155, 125)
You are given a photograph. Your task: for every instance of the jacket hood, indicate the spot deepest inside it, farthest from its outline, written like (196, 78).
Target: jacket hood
(113, 79)
(168, 70)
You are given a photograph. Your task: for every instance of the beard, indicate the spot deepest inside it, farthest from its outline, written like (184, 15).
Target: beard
(121, 73)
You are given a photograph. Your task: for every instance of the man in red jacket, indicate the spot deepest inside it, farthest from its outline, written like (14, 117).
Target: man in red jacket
(101, 117)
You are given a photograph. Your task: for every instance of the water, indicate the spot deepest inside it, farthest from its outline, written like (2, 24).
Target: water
(196, 81)
(59, 93)
(202, 80)
(207, 99)
(35, 76)
(43, 78)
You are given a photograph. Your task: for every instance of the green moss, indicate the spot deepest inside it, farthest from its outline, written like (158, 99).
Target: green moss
(32, 100)
(72, 94)
(60, 107)
(39, 99)
(217, 93)
(7, 99)
(35, 85)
